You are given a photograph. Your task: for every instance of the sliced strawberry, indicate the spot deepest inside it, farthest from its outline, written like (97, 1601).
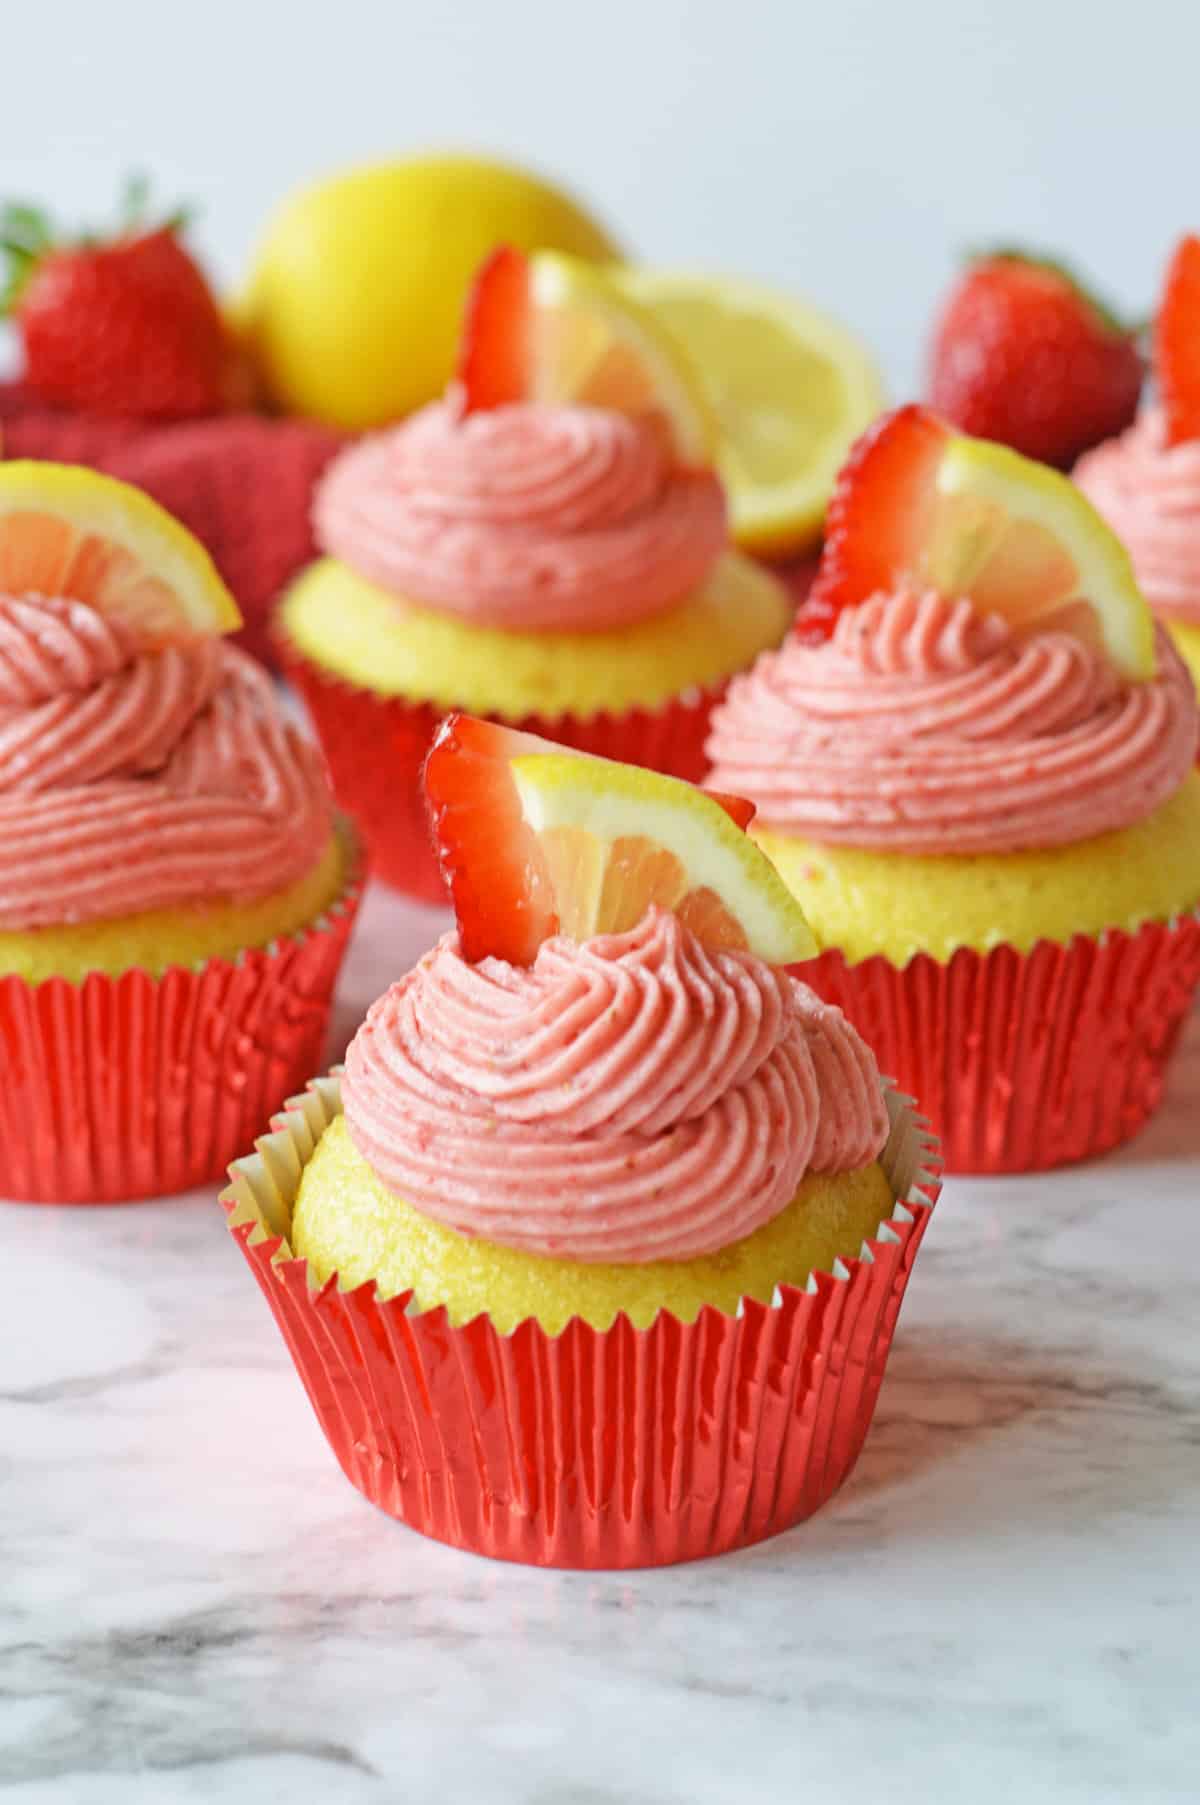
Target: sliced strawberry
(740, 812)
(919, 506)
(493, 862)
(1177, 343)
(493, 362)
(878, 514)
(490, 857)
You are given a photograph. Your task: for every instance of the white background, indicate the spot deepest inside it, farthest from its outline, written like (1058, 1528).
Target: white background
(849, 148)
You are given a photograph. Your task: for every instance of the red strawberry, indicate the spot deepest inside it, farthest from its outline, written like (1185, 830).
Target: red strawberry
(1177, 343)
(244, 485)
(124, 328)
(739, 809)
(30, 429)
(878, 514)
(492, 361)
(1023, 354)
(490, 857)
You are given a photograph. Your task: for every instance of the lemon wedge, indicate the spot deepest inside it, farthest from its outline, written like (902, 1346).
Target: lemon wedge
(70, 532)
(790, 390)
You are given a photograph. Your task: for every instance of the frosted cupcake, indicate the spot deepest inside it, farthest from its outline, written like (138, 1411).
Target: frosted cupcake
(175, 893)
(981, 788)
(1146, 482)
(553, 1156)
(550, 551)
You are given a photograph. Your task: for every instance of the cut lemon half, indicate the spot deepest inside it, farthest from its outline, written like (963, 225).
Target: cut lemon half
(70, 532)
(920, 504)
(537, 840)
(790, 388)
(551, 328)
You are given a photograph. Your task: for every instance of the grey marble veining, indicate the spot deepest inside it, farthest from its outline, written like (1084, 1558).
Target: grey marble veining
(1002, 1604)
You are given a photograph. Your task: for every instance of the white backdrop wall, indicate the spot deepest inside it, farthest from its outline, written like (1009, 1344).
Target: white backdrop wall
(849, 149)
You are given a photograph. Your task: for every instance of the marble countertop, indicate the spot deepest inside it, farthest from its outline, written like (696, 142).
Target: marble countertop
(1001, 1604)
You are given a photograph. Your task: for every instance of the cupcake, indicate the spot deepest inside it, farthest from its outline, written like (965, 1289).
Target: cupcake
(548, 546)
(973, 764)
(175, 891)
(606, 1206)
(1146, 481)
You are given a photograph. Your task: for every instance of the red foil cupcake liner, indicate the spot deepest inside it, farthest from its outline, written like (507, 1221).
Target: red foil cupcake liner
(622, 1448)
(796, 574)
(1024, 1061)
(122, 1088)
(375, 747)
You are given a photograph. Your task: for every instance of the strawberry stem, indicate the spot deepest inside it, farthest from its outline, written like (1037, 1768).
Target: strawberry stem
(27, 233)
(1054, 266)
(135, 199)
(135, 209)
(25, 236)
(25, 226)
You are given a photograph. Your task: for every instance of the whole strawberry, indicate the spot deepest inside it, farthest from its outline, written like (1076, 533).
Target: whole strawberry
(126, 327)
(1023, 354)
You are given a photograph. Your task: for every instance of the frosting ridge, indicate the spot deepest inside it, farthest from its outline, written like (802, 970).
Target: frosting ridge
(524, 516)
(137, 780)
(922, 726)
(1149, 493)
(632, 1098)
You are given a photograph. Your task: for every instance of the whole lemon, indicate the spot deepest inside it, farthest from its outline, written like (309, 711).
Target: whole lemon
(355, 300)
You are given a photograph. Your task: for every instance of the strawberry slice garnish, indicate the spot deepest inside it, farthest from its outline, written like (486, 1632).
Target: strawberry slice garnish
(740, 811)
(558, 332)
(1177, 343)
(493, 363)
(919, 506)
(510, 885)
(488, 853)
(878, 514)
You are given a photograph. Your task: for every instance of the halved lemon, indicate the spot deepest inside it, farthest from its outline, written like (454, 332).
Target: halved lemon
(66, 531)
(537, 840)
(551, 328)
(791, 390)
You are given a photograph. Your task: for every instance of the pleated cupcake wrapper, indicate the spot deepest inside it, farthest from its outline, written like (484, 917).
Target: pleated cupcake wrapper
(138, 1086)
(375, 747)
(1024, 1061)
(601, 1449)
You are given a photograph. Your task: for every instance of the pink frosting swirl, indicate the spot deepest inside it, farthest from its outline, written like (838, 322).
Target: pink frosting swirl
(139, 780)
(566, 518)
(1149, 492)
(632, 1098)
(922, 726)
